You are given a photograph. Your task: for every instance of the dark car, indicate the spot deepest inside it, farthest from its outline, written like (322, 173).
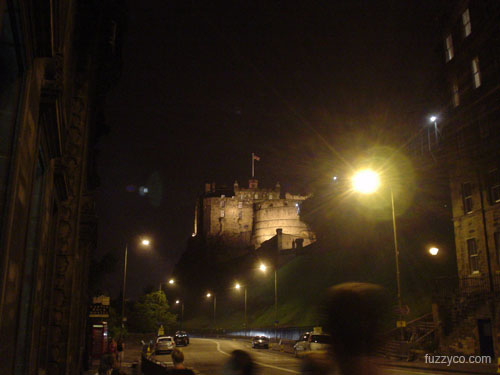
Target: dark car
(260, 342)
(181, 338)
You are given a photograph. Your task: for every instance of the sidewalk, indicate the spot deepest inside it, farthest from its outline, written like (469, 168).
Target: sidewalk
(132, 356)
(454, 368)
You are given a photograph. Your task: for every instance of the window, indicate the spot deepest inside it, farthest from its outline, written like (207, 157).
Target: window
(449, 48)
(222, 213)
(240, 204)
(256, 196)
(455, 93)
(240, 215)
(466, 23)
(270, 196)
(473, 255)
(496, 237)
(476, 74)
(222, 203)
(467, 197)
(494, 185)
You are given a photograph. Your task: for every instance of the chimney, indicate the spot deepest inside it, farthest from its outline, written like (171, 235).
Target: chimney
(253, 183)
(207, 187)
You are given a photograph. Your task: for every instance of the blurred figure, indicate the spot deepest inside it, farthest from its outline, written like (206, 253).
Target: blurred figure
(354, 318)
(178, 360)
(120, 348)
(240, 363)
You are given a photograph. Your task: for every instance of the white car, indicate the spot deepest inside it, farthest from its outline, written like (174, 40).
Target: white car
(311, 341)
(164, 344)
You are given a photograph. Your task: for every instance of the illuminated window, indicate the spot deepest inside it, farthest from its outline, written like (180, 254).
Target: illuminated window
(222, 203)
(240, 204)
(455, 93)
(256, 196)
(476, 74)
(270, 196)
(449, 48)
(466, 23)
(222, 213)
(467, 197)
(473, 255)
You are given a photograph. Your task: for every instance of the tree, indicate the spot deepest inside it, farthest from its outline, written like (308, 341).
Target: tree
(151, 311)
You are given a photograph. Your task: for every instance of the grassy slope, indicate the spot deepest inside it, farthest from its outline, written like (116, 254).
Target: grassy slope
(302, 282)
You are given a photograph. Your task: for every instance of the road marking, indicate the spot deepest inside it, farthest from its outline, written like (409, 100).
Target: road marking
(409, 372)
(259, 363)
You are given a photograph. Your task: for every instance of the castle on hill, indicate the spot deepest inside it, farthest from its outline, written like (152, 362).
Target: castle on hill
(246, 217)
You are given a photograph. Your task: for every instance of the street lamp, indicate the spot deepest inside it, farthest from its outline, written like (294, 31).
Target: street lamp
(367, 181)
(433, 251)
(215, 306)
(263, 268)
(171, 281)
(237, 286)
(433, 120)
(177, 302)
(145, 242)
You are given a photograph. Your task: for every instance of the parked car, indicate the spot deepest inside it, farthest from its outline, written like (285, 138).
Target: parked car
(164, 344)
(181, 338)
(301, 344)
(260, 342)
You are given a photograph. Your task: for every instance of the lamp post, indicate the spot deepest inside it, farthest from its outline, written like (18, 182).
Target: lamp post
(144, 242)
(367, 181)
(215, 306)
(182, 310)
(263, 268)
(238, 287)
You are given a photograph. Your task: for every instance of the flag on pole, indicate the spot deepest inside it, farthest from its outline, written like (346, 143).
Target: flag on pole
(255, 157)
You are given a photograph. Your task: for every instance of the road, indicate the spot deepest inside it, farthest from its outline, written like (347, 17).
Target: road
(207, 356)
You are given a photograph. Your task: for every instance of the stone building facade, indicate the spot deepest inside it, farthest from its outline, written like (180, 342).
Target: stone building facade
(471, 133)
(246, 217)
(57, 60)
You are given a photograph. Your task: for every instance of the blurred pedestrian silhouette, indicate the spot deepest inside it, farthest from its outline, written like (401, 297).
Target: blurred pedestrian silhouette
(354, 318)
(239, 363)
(178, 360)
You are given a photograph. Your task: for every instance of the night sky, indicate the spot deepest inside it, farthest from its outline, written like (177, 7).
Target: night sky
(204, 86)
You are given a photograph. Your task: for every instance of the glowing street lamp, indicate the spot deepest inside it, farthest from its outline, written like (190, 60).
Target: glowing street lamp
(433, 251)
(177, 302)
(215, 305)
(367, 181)
(238, 286)
(145, 242)
(171, 281)
(263, 268)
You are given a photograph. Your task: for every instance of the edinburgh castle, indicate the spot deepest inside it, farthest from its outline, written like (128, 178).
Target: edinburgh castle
(245, 217)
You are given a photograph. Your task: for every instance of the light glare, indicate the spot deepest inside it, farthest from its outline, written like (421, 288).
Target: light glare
(177, 302)
(237, 286)
(433, 251)
(145, 242)
(209, 295)
(366, 181)
(433, 118)
(263, 267)
(171, 281)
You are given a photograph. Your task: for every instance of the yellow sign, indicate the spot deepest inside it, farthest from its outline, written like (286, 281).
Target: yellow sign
(161, 331)
(401, 323)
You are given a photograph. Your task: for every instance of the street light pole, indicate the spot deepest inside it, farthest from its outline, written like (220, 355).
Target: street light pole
(124, 284)
(275, 303)
(215, 309)
(396, 253)
(245, 307)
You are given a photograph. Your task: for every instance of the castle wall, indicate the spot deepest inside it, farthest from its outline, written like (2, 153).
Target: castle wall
(280, 213)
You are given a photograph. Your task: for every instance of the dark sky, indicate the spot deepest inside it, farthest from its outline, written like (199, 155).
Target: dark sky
(204, 86)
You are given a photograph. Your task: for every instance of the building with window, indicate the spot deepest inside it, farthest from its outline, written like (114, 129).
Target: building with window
(244, 217)
(470, 123)
(57, 60)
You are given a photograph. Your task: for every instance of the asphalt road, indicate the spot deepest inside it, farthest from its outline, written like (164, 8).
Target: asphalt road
(207, 356)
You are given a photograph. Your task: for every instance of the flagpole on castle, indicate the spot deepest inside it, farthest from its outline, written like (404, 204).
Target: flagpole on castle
(253, 165)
